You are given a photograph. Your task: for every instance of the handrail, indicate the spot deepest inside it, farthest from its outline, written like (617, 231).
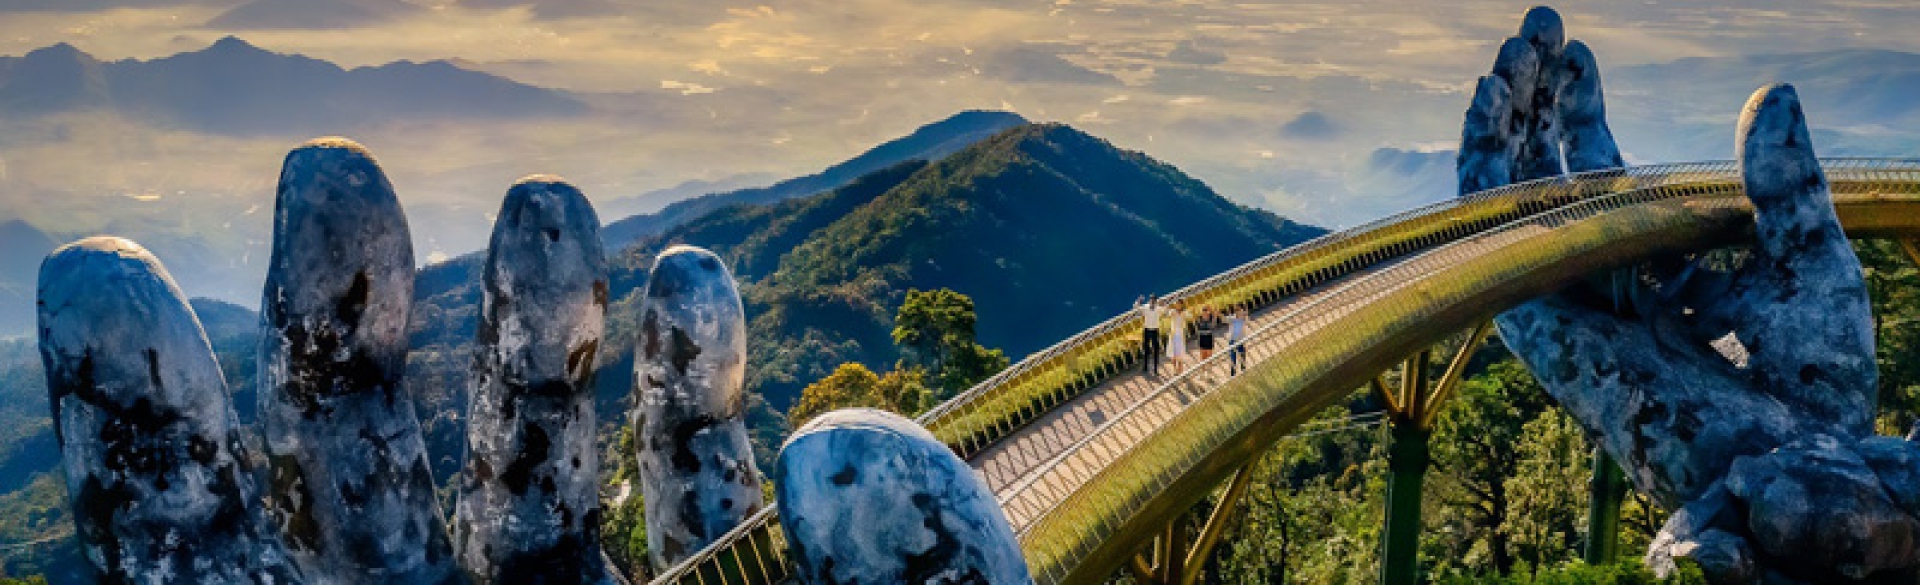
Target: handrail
(756, 548)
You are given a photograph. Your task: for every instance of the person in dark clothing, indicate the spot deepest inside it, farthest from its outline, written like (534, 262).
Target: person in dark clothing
(1203, 330)
(1151, 343)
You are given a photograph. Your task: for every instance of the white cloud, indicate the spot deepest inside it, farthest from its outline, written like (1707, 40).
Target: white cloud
(685, 88)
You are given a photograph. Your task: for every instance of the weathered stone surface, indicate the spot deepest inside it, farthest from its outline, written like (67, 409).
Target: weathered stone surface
(1486, 160)
(1815, 503)
(1699, 531)
(1763, 455)
(1800, 306)
(1581, 106)
(696, 462)
(349, 487)
(1897, 462)
(866, 496)
(161, 488)
(529, 508)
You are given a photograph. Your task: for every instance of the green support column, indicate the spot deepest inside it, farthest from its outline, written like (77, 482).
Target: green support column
(1607, 490)
(1407, 458)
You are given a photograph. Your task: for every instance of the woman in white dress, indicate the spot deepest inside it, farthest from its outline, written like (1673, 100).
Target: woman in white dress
(1177, 336)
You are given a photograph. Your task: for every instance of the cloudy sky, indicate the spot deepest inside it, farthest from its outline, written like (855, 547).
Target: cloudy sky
(1274, 103)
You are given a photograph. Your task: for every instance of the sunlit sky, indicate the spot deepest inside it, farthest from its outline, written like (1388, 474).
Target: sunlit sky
(1265, 101)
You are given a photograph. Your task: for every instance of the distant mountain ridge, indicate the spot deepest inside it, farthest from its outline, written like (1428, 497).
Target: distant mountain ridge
(929, 142)
(233, 87)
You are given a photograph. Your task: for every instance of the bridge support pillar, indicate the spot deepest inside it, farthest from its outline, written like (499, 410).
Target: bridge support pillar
(1407, 459)
(1912, 248)
(1408, 456)
(1608, 489)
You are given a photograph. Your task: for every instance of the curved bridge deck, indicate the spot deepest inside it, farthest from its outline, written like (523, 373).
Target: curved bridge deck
(1090, 458)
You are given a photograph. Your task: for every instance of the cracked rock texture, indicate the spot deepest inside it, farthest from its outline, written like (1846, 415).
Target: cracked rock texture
(161, 487)
(348, 482)
(866, 496)
(1768, 457)
(529, 508)
(696, 462)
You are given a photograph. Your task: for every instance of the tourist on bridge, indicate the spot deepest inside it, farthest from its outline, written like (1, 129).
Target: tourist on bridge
(1150, 340)
(1203, 330)
(1236, 334)
(1177, 340)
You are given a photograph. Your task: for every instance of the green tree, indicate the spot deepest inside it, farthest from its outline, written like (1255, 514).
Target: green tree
(1545, 523)
(1312, 510)
(1477, 450)
(934, 331)
(853, 385)
(1622, 573)
(623, 535)
(1893, 284)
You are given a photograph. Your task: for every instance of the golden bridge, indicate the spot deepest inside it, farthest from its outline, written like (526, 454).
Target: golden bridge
(1093, 461)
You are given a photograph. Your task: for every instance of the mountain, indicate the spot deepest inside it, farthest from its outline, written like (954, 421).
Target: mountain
(655, 200)
(929, 142)
(52, 79)
(1050, 230)
(233, 87)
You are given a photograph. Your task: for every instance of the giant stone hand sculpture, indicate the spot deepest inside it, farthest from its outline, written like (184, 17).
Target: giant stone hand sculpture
(1771, 460)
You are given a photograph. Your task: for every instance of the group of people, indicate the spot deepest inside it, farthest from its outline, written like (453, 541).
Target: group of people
(1165, 329)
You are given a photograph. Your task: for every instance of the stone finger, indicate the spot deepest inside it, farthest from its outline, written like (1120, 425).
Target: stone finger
(529, 508)
(1581, 107)
(1485, 159)
(1800, 304)
(350, 488)
(160, 485)
(869, 497)
(696, 461)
